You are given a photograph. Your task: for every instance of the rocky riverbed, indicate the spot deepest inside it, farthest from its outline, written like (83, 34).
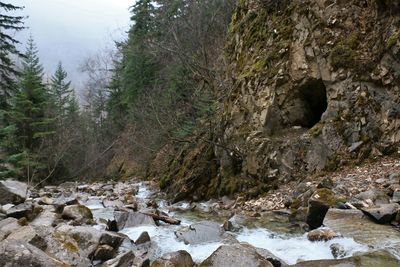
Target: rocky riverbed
(132, 224)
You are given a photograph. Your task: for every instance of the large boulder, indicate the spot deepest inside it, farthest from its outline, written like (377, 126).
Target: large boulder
(8, 226)
(385, 213)
(132, 219)
(180, 258)
(21, 210)
(29, 235)
(12, 192)
(16, 253)
(201, 232)
(236, 255)
(372, 259)
(78, 213)
(318, 206)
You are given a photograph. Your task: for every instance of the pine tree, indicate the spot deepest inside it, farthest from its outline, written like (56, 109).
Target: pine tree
(61, 91)
(7, 48)
(30, 124)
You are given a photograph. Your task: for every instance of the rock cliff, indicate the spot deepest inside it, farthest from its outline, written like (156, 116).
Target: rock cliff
(314, 85)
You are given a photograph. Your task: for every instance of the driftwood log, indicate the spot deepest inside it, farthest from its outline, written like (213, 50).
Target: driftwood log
(161, 216)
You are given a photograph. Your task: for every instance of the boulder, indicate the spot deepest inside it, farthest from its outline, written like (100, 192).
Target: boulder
(322, 234)
(373, 259)
(7, 226)
(201, 232)
(61, 202)
(236, 255)
(21, 210)
(353, 223)
(112, 239)
(16, 253)
(383, 214)
(124, 260)
(143, 238)
(104, 253)
(78, 213)
(29, 235)
(396, 197)
(112, 203)
(132, 219)
(46, 218)
(180, 258)
(318, 206)
(87, 237)
(12, 192)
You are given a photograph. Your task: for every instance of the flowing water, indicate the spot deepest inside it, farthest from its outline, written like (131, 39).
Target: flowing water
(291, 247)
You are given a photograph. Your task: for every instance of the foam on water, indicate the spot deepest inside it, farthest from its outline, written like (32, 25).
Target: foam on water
(295, 248)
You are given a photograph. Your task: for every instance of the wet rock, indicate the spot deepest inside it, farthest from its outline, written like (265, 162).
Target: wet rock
(318, 206)
(338, 250)
(29, 235)
(78, 213)
(132, 219)
(322, 234)
(113, 203)
(62, 201)
(201, 232)
(269, 256)
(353, 223)
(104, 253)
(16, 253)
(373, 259)
(384, 213)
(12, 192)
(124, 260)
(228, 226)
(180, 258)
(143, 238)
(236, 255)
(21, 210)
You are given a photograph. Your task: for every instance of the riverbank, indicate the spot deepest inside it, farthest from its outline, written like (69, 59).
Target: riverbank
(132, 224)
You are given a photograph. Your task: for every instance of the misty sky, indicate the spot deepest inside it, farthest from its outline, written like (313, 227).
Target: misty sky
(72, 30)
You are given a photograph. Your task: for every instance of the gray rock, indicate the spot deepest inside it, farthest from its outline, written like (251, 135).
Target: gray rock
(326, 183)
(16, 253)
(236, 255)
(112, 239)
(132, 219)
(201, 232)
(29, 235)
(321, 234)
(104, 253)
(21, 210)
(46, 218)
(124, 260)
(7, 226)
(396, 197)
(143, 238)
(78, 213)
(180, 258)
(113, 203)
(61, 202)
(384, 213)
(12, 192)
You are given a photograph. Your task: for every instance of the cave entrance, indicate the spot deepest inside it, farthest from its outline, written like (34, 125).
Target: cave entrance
(314, 101)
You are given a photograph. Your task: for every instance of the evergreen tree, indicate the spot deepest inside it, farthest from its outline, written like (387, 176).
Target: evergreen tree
(61, 91)
(7, 48)
(30, 125)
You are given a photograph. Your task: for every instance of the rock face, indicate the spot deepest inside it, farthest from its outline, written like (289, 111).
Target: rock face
(305, 94)
(235, 255)
(12, 192)
(14, 253)
(200, 233)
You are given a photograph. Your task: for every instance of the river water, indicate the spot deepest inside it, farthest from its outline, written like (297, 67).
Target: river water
(291, 247)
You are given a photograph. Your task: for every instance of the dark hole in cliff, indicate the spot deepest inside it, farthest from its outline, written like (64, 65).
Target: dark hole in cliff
(313, 98)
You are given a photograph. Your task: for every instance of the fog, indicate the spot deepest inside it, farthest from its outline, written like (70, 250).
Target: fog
(72, 30)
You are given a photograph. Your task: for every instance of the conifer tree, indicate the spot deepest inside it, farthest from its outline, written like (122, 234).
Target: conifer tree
(61, 91)
(30, 125)
(8, 43)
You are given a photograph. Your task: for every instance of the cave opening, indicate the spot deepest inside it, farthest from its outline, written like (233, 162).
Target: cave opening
(314, 100)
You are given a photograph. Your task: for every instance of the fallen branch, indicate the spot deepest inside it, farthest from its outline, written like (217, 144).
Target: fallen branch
(160, 216)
